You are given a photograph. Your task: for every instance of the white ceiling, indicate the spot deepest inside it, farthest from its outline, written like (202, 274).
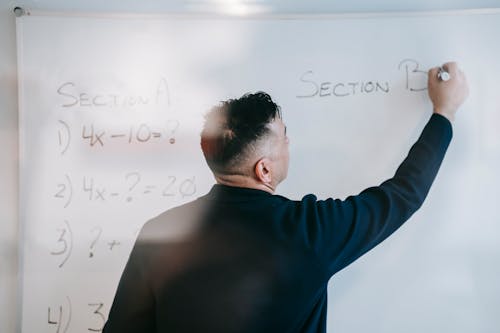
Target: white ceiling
(248, 7)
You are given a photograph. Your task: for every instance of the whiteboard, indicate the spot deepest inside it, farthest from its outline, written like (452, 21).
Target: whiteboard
(110, 113)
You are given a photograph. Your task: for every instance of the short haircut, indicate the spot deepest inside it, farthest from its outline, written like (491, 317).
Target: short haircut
(232, 127)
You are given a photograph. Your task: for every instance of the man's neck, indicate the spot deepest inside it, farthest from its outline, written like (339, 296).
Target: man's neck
(243, 181)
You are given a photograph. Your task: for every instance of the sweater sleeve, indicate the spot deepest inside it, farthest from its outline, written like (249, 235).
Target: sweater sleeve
(347, 229)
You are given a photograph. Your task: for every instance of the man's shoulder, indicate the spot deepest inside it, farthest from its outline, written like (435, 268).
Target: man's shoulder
(173, 222)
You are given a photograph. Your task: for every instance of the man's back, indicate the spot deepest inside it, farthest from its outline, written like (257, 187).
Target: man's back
(226, 262)
(245, 260)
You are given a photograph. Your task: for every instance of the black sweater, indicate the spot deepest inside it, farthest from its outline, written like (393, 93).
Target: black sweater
(244, 260)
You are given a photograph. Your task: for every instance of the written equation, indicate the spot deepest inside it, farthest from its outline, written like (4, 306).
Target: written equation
(131, 187)
(59, 316)
(94, 240)
(95, 136)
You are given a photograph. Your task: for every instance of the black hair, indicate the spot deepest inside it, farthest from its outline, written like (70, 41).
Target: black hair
(232, 126)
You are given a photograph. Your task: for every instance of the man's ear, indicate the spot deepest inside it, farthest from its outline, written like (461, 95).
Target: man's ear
(263, 170)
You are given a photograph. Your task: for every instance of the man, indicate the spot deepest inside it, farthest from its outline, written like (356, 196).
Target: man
(241, 259)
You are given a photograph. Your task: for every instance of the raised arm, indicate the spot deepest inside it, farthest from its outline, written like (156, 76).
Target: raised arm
(352, 227)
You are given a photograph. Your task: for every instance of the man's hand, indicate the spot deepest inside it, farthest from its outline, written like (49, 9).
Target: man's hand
(447, 96)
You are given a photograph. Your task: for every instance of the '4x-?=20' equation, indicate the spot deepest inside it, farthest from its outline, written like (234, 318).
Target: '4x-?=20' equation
(133, 186)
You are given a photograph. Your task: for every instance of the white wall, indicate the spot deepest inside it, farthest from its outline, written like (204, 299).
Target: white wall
(8, 98)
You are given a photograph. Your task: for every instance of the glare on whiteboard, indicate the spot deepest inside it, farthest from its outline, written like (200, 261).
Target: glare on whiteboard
(230, 7)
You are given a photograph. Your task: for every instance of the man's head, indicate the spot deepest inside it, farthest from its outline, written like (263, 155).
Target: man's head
(244, 142)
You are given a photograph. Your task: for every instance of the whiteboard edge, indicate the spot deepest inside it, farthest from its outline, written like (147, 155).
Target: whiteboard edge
(20, 224)
(263, 16)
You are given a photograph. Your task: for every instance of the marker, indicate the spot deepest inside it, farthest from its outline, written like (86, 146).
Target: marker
(443, 74)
